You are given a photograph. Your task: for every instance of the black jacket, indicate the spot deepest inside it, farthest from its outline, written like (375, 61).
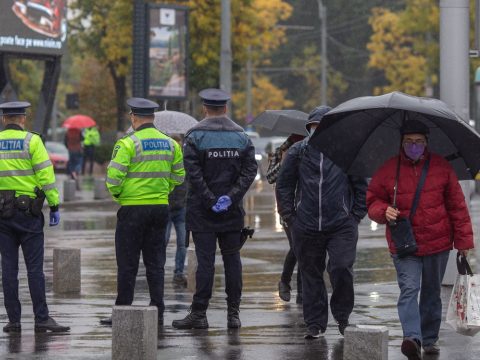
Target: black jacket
(315, 192)
(219, 159)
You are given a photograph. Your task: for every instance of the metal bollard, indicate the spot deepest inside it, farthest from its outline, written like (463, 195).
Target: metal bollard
(99, 189)
(66, 271)
(134, 332)
(365, 342)
(69, 187)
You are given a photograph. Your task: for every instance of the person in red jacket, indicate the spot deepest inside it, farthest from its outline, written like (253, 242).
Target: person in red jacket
(440, 223)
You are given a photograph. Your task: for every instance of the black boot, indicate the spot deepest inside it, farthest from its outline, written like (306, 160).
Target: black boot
(233, 317)
(196, 319)
(50, 325)
(12, 327)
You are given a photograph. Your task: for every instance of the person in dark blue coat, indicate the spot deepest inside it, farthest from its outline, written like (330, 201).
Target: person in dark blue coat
(322, 206)
(220, 163)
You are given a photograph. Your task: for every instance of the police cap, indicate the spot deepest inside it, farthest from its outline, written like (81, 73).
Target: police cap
(214, 97)
(15, 108)
(141, 106)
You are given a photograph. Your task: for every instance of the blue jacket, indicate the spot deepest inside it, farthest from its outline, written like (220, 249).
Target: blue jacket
(219, 159)
(316, 192)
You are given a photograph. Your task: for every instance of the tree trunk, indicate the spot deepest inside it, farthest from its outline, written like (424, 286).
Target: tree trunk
(120, 96)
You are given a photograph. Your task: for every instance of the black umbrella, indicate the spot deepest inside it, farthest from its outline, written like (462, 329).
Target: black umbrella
(359, 135)
(286, 121)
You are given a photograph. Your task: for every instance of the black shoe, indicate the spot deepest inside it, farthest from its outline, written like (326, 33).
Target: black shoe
(313, 333)
(233, 317)
(12, 327)
(299, 299)
(284, 291)
(196, 319)
(342, 325)
(411, 349)
(106, 321)
(50, 325)
(180, 280)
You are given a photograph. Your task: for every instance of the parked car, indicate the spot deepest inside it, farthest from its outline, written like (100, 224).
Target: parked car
(58, 154)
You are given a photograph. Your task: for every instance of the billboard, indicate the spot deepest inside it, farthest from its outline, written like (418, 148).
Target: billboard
(167, 52)
(33, 26)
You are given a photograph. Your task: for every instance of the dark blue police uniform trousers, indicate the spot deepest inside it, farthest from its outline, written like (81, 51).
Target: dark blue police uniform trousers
(25, 231)
(311, 248)
(205, 247)
(141, 229)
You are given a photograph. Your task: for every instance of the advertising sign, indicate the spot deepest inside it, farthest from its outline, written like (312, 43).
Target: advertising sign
(167, 52)
(33, 26)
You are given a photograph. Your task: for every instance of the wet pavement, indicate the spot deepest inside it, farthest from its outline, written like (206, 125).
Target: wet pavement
(271, 328)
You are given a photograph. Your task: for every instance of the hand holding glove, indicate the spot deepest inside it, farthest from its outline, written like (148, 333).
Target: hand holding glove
(54, 218)
(222, 204)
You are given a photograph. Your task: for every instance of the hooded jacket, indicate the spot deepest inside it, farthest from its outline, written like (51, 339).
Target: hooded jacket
(315, 193)
(441, 220)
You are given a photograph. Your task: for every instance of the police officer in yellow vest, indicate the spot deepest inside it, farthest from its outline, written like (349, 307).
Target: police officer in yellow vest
(146, 165)
(26, 178)
(91, 139)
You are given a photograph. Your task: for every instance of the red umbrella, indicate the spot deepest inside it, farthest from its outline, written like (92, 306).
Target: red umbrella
(79, 122)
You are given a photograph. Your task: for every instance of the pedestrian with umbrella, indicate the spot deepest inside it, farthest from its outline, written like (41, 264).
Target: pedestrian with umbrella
(416, 192)
(322, 207)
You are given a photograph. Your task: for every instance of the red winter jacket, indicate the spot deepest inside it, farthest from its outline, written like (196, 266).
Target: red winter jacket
(442, 217)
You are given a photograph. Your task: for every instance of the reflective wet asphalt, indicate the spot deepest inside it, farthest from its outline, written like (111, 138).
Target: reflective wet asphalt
(272, 329)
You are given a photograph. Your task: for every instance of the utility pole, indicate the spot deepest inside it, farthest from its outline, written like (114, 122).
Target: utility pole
(226, 49)
(322, 11)
(454, 78)
(249, 117)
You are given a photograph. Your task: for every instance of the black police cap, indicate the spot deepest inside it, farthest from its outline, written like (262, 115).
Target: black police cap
(142, 107)
(15, 108)
(214, 97)
(414, 127)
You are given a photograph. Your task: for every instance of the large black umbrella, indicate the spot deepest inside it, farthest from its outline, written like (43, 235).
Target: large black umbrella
(286, 121)
(359, 135)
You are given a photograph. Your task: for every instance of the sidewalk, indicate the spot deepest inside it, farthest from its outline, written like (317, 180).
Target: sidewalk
(272, 329)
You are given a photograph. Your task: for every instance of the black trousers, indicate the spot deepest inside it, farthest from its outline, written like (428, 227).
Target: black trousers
(311, 248)
(289, 264)
(205, 247)
(24, 231)
(141, 229)
(88, 155)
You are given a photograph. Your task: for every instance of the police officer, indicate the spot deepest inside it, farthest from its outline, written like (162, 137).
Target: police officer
(26, 178)
(146, 165)
(91, 139)
(220, 163)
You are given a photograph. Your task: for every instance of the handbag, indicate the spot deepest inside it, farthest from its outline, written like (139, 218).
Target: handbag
(463, 312)
(401, 230)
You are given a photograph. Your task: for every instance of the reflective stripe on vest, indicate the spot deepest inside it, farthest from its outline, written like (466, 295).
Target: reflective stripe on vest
(113, 181)
(149, 174)
(166, 157)
(48, 187)
(26, 172)
(15, 155)
(118, 166)
(42, 165)
(177, 166)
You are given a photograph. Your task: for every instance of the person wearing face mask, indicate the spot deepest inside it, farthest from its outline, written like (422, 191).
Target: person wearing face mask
(322, 207)
(441, 222)
(146, 166)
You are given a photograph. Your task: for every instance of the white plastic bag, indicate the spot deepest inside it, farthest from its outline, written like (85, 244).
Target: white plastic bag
(463, 313)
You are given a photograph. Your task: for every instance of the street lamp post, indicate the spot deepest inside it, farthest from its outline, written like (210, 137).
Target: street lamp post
(322, 11)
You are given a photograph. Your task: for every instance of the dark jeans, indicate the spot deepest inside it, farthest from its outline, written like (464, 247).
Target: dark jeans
(289, 265)
(205, 247)
(25, 231)
(75, 161)
(88, 155)
(177, 219)
(141, 229)
(311, 248)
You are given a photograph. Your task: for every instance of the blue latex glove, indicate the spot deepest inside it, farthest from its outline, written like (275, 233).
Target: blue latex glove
(54, 218)
(222, 204)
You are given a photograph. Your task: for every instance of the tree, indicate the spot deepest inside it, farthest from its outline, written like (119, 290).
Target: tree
(103, 29)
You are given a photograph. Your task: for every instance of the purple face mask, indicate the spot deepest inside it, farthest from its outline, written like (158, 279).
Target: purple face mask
(414, 151)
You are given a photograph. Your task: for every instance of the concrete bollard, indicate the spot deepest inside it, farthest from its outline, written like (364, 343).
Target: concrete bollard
(66, 271)
(192, 265)
(99, 189)
(134, 332)
(365, 342)
(69, 187)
